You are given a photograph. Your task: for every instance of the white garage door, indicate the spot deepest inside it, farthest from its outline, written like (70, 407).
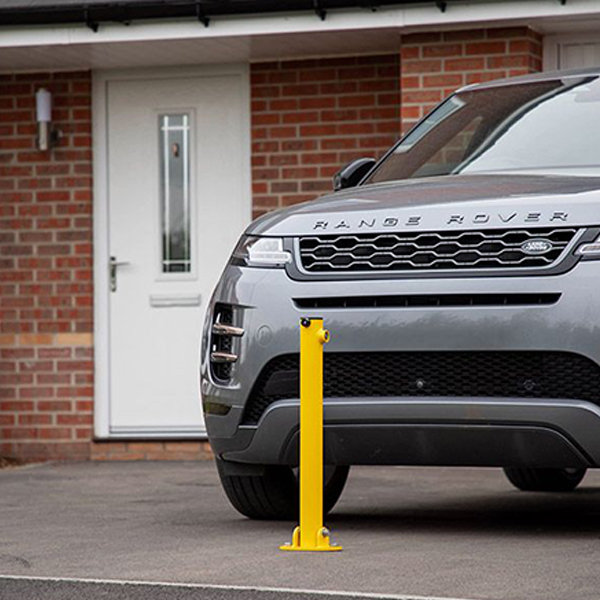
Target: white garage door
(575, 56)
(572, 51)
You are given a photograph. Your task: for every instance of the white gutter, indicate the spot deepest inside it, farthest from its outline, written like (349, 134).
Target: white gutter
(411, 17)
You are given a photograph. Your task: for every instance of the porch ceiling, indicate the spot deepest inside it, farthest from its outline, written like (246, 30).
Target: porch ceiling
(197, 51)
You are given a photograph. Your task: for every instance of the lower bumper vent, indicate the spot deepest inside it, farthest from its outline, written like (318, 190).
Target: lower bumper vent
(518, 374)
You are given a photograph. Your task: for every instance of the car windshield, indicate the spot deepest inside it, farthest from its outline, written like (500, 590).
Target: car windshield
(540, 126)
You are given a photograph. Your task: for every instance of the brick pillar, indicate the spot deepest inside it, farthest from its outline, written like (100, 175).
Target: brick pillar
(436, 64)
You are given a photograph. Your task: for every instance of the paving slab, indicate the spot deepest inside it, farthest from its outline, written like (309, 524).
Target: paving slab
(429, 532)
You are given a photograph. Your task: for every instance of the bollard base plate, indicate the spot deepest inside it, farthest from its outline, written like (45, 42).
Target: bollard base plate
(321, 543)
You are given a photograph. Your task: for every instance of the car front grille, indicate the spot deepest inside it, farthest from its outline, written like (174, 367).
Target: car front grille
(441, 250)
(506, 374)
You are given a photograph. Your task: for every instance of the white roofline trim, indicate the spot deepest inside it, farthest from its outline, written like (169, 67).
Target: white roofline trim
(405, 18)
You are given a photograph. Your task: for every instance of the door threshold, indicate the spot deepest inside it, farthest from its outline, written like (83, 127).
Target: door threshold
(138, 433)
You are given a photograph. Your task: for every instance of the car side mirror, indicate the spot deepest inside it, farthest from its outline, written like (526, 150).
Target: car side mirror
(353, 173)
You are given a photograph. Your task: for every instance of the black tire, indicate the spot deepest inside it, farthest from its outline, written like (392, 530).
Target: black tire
(545, 480)
(271, 492)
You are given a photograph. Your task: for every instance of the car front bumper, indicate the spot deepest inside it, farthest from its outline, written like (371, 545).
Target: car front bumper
(411, 430)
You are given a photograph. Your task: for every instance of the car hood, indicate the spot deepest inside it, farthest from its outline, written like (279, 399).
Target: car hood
(450, 202)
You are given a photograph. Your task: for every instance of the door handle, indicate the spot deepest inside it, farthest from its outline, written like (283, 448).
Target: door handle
(113, 265)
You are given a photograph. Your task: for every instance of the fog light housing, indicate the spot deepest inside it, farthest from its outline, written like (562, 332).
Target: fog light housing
(590, 250)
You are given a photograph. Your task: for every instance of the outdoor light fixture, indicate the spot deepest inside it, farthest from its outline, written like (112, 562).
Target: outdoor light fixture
(46, 138)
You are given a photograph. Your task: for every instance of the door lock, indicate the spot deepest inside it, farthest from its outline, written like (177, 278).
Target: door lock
(113, 265)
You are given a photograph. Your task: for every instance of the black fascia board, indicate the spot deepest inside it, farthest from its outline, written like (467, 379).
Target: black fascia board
(96, 12)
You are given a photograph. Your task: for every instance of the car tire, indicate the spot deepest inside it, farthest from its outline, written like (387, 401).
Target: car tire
(271, 492)
(544, 480)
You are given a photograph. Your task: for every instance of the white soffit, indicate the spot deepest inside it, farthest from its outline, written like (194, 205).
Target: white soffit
(195, 51)
(274, 36)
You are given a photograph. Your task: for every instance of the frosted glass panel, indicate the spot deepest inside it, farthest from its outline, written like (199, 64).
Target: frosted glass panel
(175, 192)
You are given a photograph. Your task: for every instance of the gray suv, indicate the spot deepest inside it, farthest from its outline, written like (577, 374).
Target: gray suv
(460, 279)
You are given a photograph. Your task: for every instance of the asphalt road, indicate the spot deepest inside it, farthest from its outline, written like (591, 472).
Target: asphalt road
(448, 533)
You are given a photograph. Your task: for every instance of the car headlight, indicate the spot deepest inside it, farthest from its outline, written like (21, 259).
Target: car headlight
(255, 251)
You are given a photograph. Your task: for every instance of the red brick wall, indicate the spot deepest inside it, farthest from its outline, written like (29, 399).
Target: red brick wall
(166, 450)
(46, 354)
(435, 64)
(311, 117)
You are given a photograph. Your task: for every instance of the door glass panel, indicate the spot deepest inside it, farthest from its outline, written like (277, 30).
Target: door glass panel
(175, 192)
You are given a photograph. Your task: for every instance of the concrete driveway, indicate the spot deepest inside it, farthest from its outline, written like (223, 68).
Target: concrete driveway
(450, 533)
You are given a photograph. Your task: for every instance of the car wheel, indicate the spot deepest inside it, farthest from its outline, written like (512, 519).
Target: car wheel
(271, 492)
(544, 480)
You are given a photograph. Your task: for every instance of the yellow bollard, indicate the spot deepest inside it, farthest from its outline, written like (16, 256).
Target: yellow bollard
(311, 535)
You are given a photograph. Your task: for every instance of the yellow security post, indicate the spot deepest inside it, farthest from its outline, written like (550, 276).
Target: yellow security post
(311, 535)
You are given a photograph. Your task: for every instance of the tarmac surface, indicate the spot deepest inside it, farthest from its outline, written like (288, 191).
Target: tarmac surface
(429, 532)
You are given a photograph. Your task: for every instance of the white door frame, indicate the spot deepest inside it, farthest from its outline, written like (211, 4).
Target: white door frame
(100, 82)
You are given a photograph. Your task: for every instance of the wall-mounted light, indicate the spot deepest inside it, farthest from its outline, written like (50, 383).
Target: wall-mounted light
(46, 137)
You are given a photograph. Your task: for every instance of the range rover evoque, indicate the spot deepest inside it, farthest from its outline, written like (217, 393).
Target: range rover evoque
(460, 279)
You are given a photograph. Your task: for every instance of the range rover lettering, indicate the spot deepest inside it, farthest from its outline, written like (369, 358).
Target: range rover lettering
(459, 276)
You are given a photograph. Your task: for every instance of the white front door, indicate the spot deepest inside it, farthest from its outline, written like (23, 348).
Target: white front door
(177, 203)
